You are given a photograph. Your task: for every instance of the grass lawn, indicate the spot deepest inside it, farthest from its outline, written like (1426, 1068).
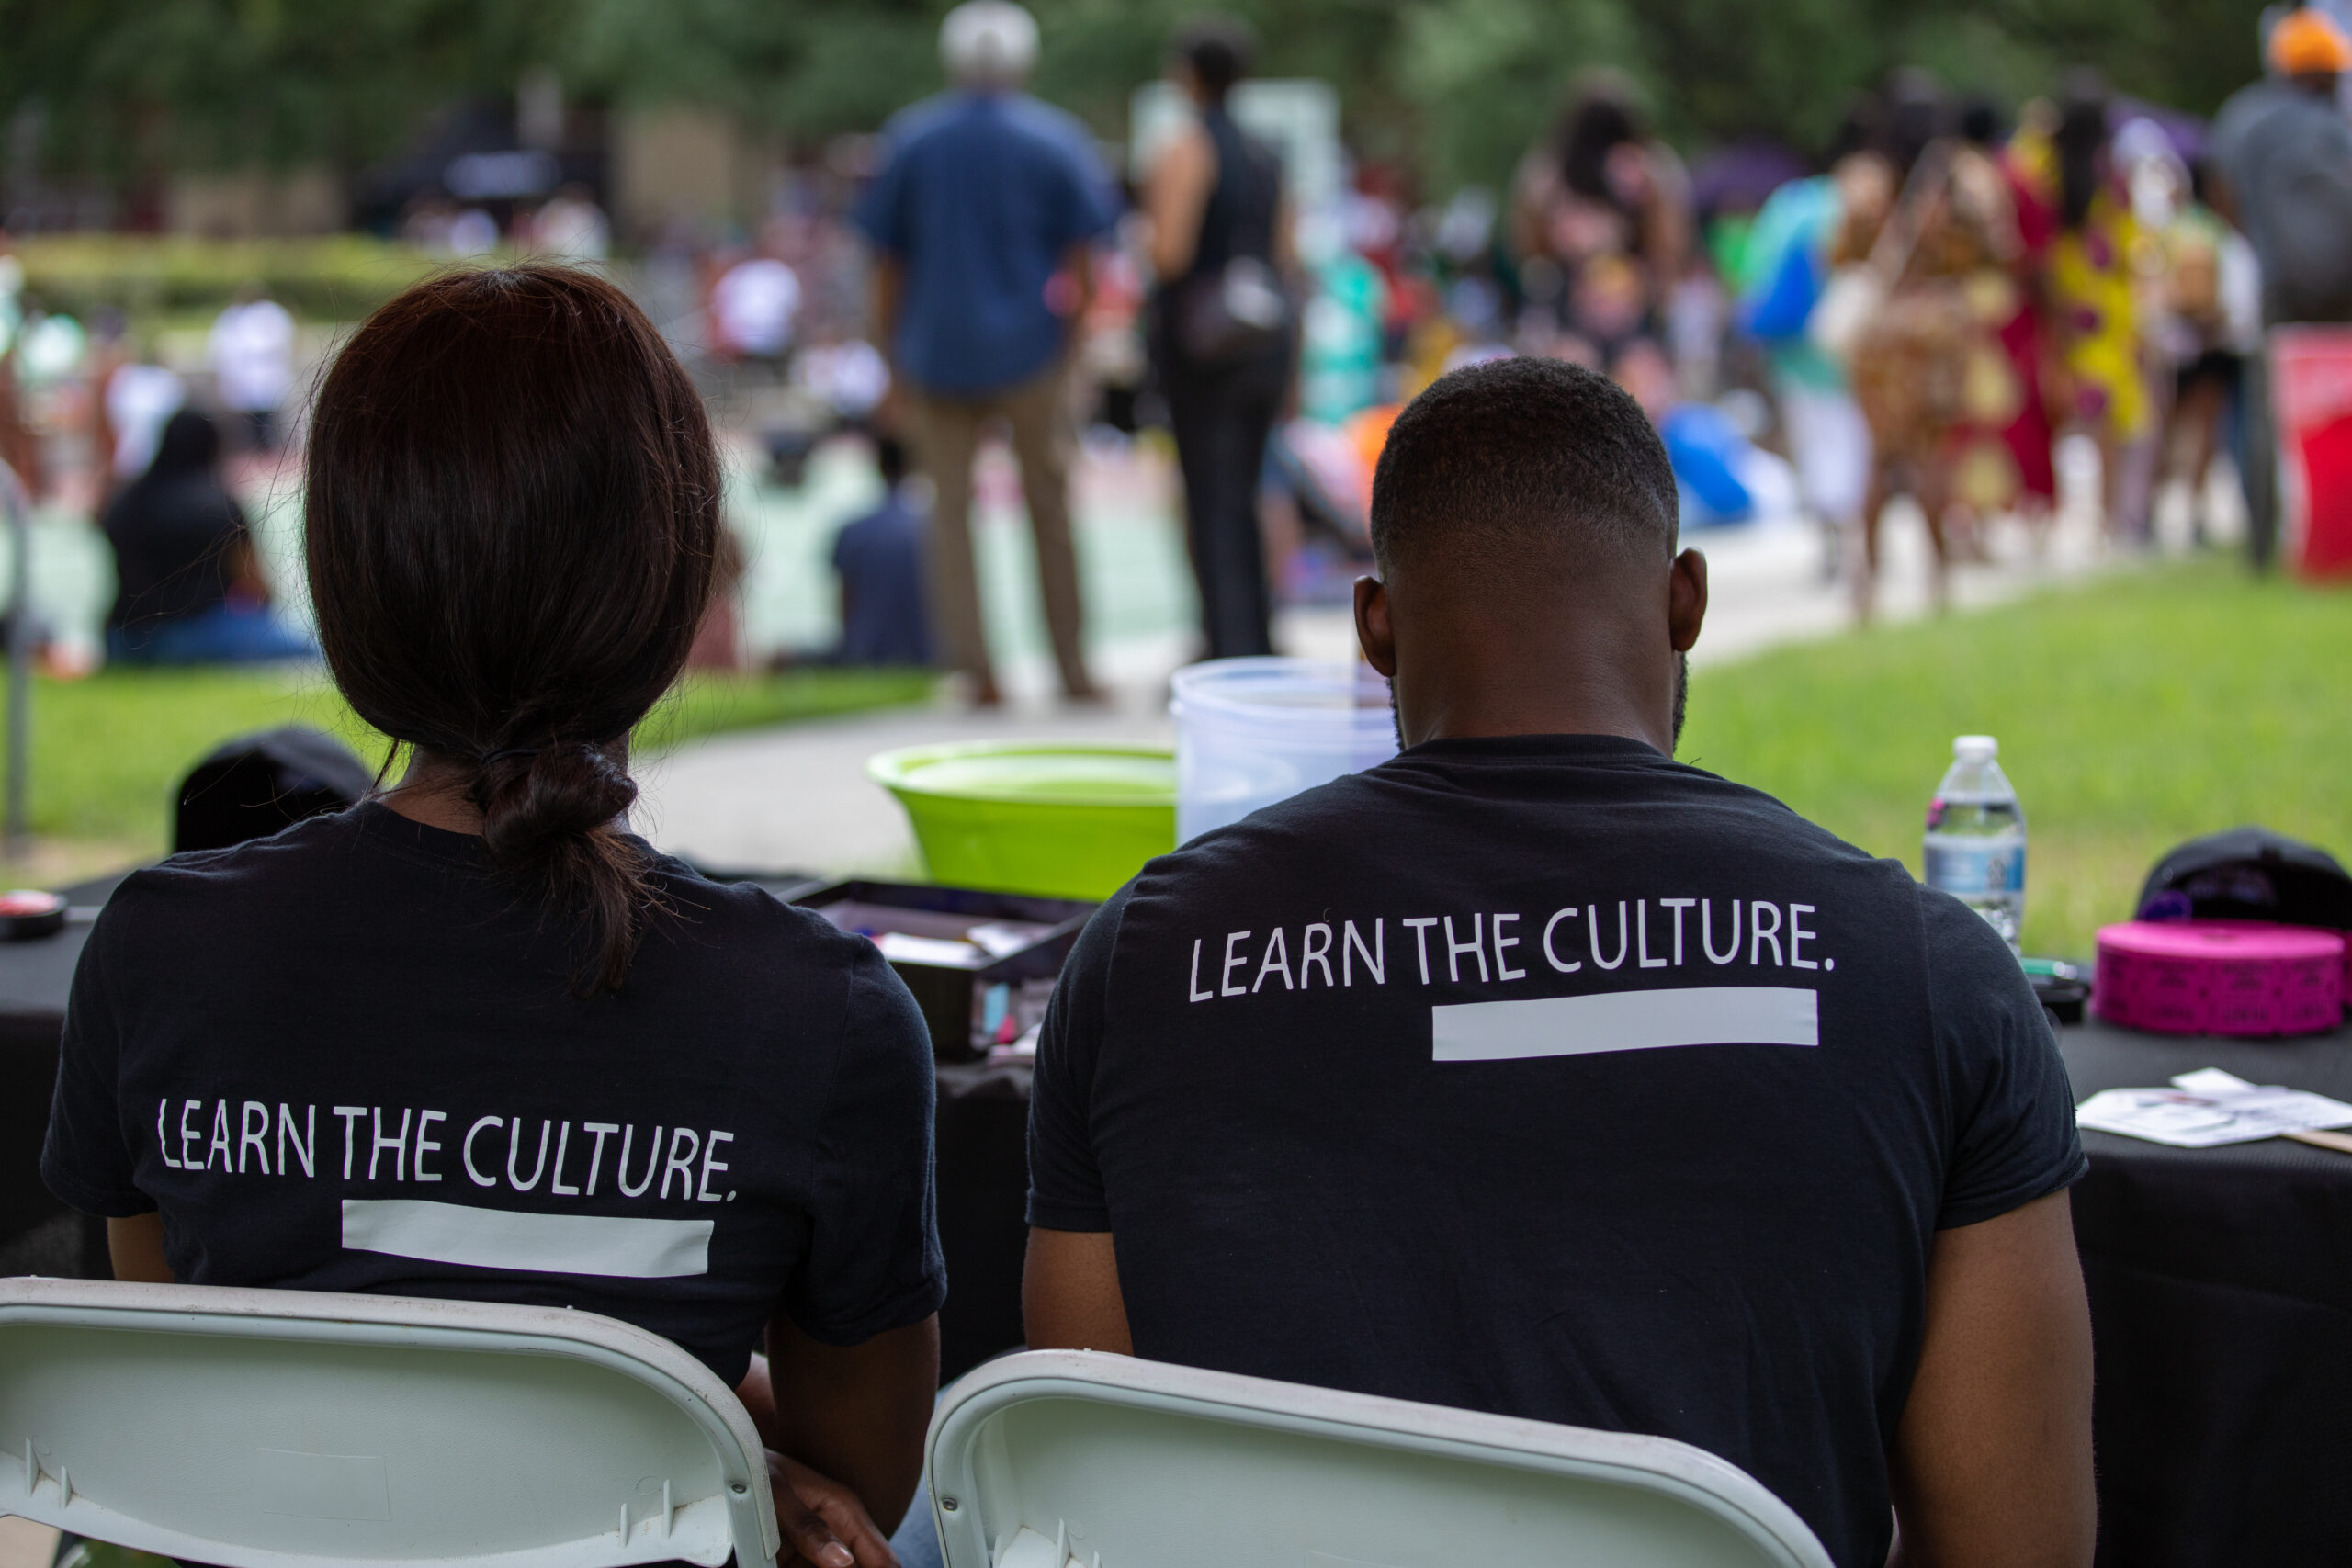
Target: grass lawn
(2133, 712)
(107, 751)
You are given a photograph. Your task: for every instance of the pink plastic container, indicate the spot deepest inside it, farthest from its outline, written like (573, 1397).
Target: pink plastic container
(2219, 977)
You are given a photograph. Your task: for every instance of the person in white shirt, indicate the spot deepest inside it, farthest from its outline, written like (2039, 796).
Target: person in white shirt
(573, 227)
(753, 305)
(252, 351)
(472, 232)
(141, 395)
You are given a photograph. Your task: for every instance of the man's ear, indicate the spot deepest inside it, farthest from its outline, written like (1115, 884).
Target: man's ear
(1374, 633)
(1685, 604)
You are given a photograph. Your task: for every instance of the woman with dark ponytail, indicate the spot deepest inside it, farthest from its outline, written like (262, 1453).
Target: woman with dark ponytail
(474, 1038)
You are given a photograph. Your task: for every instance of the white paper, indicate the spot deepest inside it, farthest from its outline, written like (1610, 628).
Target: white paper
(2210, 1107)
(941, 952)
(999, 938)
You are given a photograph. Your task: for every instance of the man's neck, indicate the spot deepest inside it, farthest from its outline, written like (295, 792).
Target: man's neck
(1545, 685)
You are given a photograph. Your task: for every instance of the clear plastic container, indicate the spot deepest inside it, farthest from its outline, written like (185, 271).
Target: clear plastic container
(1252, 731)
(1975, 848)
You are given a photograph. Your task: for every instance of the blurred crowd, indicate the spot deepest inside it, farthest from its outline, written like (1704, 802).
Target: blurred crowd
(1928, 307)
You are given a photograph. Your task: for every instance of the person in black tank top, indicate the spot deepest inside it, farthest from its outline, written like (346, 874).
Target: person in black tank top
(1223, 336)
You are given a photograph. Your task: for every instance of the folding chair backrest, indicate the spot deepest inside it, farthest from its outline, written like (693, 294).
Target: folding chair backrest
(271, 1429)
(1052, 1458)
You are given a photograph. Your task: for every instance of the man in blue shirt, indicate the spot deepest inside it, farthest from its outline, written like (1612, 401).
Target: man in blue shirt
(981, 218)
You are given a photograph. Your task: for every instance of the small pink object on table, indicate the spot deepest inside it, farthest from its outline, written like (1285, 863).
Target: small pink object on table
(2218, 977)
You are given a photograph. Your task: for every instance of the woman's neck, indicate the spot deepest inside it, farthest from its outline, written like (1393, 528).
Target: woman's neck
(435, 791)
(438, 791)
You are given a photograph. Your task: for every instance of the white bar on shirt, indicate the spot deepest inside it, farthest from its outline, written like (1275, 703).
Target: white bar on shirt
(601, 1244)
(1624, 1020)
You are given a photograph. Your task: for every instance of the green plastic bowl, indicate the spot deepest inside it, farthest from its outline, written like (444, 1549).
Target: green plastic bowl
(1062, 819)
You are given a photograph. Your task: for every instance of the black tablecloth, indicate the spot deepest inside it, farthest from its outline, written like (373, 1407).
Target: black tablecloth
(2220, 1288)
(2221, 1279)
(38, 1233)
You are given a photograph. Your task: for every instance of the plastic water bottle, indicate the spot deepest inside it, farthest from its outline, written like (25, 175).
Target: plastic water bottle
(1976, 844)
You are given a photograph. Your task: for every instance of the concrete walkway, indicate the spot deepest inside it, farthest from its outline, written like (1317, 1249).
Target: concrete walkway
(798, 798)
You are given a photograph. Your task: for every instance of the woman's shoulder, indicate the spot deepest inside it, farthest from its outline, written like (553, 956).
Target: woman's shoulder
(185, 913)
(716, 922)
(738, 942)
(298, 849)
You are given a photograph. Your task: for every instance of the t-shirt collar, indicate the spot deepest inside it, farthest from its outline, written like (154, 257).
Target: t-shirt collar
(1575, 748)
(388, 827)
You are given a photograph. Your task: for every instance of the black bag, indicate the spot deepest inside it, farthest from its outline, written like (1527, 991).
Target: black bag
(1234, 315)
(256, 784)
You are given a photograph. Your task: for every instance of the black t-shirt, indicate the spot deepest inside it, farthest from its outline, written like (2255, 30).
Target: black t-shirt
(1376, 1091)
(347, 1058)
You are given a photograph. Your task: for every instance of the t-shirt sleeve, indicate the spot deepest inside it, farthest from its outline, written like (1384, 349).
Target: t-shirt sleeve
(880, 210)
(1090, 206)
(87, 1160)
(873, 1263)
(1065, 1182)
(2013, 1109)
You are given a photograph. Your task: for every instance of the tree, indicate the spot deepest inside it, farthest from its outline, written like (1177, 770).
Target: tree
(1457, 86)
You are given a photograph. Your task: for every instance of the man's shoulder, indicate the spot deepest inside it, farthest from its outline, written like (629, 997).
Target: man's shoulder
(1972, 977)
(921, 120)
(1014, 115)
(1065, 130)
(1369, 817)
(890, 524)
(1327, 819)
(2268, 116)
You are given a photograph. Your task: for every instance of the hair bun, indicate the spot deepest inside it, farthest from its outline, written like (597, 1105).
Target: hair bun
(536, 802)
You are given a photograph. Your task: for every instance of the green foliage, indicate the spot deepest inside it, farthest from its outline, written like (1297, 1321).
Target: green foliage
(337, 279)
(1485, 74)
(2132, 714)
(1460, 86)
(129, 86)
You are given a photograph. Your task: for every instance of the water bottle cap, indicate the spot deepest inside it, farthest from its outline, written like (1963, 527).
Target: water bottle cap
(1974, 747)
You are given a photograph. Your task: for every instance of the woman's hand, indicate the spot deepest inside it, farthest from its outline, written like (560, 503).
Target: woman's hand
(822, 1520)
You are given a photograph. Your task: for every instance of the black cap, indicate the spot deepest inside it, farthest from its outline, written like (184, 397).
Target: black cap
(2249, 874)
(256, 784)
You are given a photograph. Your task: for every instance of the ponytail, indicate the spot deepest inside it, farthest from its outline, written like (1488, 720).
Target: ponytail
(549, 818)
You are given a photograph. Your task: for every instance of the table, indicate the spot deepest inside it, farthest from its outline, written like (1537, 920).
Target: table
(2221, 1279)
(2220, 1290)
(38, 1233)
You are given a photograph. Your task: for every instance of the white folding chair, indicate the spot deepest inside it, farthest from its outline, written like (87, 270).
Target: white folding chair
(1055, 1458)
(271, 1429)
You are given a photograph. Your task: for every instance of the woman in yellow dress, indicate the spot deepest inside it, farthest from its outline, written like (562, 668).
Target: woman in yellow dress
(2095, 267)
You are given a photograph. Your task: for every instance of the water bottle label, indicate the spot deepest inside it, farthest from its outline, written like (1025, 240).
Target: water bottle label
(1971, 870)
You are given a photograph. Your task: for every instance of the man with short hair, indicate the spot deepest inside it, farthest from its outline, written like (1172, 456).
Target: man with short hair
(982, 217)
(1533, 1072)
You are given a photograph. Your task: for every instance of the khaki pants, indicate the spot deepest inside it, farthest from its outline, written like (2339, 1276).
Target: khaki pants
(947, 434)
